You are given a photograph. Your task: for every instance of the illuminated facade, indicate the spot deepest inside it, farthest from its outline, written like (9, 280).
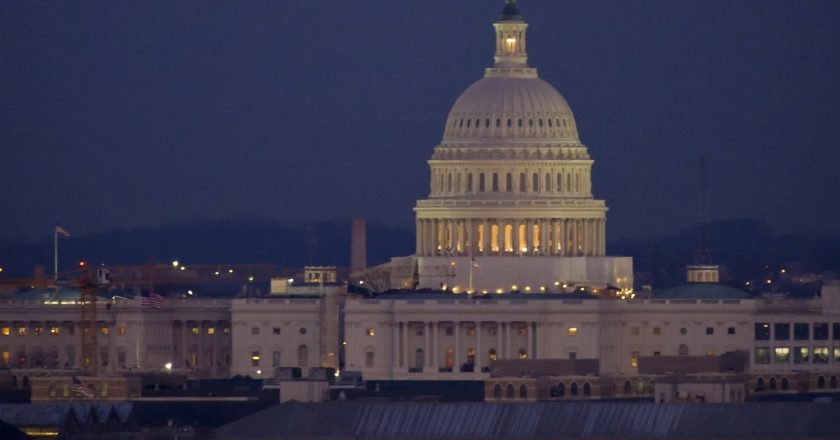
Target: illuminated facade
(511, 201)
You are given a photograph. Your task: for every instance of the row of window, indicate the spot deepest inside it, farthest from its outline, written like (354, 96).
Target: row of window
(53, 330)
(799, 355)
(802, 331)
(276, 357)
(491, 182)
(275, 330)
(657, 331)
(450, 331)
(509, 122)
(784, 384)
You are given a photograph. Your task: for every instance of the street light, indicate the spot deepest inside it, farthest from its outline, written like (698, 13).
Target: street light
(168, 366)
(175, 263)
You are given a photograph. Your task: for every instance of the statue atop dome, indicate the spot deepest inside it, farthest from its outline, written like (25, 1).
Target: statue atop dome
(511, 12)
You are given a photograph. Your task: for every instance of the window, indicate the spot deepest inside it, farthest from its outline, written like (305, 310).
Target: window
(572, 355)
(781, 331)
(820, 355)
(495, 182)
(821, 382)
(634, 359)
(469, 182)
(657, 331)
(449, 331)
(523, 354)
(730, 331)
(54, 330)
(509, 182)
(226, 330)
(762, 331)
(121, 331)
(255, 330)
(471, 331)
(497, 391)
(781, 355)
(211, 330)
(21, 331)
(275, 359)
(522, 331)
(762, 355)
(491, 355)
(837, 355)
(195, 330)
(6, 331)
(682, 350)
(835, 331)
(683, 330)
(509, 391)
(121, 356)
(573, 389)
(370, 331)
(801, 332)
(522, 183)
(627, 389)
(657, 353)
(523, 391)
(255, 358)
(38, 330)
(587, 389)
(369, 359)
(572, 331)
(303, 356)
(800, 355)
(634, 331)
(302, 330)
(820, 331)
(481, 182)
(535, 183)
(105, 330)
(710, 330)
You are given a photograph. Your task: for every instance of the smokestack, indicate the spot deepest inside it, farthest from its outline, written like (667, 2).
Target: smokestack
(358, 246)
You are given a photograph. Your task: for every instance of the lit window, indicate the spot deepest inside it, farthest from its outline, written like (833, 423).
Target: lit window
(121, 331)
(837, 355)
(105, 330)
(781, 355)
(572, 331)
(194, 330)
(634, 359)
(211, 330)
(523, 354)
(38, 330)
(800, 355)
(226, 330)
(255, 359)
(820, 355)
(762, 331)
(370, 331)
(54, 330)
(6, 331)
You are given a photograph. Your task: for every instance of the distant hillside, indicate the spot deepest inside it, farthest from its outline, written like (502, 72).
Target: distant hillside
(210, 242)
(744, 247)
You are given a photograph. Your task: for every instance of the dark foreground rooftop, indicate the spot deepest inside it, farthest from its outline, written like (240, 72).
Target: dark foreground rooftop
(416, 420)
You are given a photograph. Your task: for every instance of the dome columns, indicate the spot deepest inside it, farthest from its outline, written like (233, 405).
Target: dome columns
(510, 43)
(543, 237)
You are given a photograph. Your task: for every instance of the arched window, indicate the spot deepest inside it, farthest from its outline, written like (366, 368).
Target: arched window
(784, 384)
(448, 182)
(549, 122)
(522, 183)
(509, 182)
(559, 182)
(509, 123)
(494, 238)
(547, 182)
(759, 384)
(481, 182)
(461, 123)
(519, 123)
(469, 121)
(495, 182)
(469, 182)
(561, 389)
(832, 383)
(772, 385)
(577, 182)
(486, 122)
(587, 389)
(509, 391)
(523, 391)
(569, 182)
(477, 123)
(458, 183)
(628, 388)
(821, 382)
(530, 123)
(574, 389)
(497, 391)
(535, 183)
(303, 356)
(683, 350)
(491, 354)
(498, 122)
(540, 122)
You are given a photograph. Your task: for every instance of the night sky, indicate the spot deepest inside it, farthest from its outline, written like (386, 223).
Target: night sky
(119, 114)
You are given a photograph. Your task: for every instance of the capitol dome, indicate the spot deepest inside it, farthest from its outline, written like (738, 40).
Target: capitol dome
(511, 107)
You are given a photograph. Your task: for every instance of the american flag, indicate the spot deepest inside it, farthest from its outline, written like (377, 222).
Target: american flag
(154, 300)
(81, 390)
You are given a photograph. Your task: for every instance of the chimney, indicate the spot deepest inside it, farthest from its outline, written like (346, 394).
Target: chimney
(358, 246)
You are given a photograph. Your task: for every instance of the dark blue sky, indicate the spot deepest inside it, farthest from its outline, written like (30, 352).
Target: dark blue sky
(120, 114)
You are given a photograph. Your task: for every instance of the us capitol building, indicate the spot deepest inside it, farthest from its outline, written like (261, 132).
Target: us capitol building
(510, 258)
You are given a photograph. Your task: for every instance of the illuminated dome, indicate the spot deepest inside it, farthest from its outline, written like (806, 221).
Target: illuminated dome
(503, 107)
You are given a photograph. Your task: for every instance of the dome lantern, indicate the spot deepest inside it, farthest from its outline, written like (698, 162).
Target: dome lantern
(510, 38)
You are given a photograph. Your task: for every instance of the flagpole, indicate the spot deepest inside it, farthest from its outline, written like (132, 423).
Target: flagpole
(55, 253)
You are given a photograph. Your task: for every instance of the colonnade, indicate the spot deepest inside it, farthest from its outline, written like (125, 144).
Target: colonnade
(449, 346)
(512, 237)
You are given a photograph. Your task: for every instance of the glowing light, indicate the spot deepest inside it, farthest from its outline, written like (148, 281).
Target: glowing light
(557, 283)
(527, 288)
(82, 263)
(337, 373)
(216, 273)
(769, 281)
(175, 263)
(498, 290)
(183, 267)
(189, 292)
(452, 263)
(484, 292)
(783, 271)
(565, 285)
(251, 278)
(259, 371)
(167, 366)
(542, 288)
(1, 269)
(230, 270)
(361, 283)
(514, 287)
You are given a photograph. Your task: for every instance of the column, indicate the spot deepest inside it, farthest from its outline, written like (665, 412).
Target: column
(434, 354)
(404, 345)
(469, 242)
(507, 340)
(529, 235)
(531, 353)
(603, 236)
(418, 244)
(538, 347)
(499, 340)
(517, 246)
(478, 354)
(485, 234)
(426, 346)
(573, 242)
(456, 367)
(395, 343)
(544, 237)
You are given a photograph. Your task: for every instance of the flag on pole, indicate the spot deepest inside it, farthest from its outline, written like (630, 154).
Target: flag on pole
(81, 390)
(62, 231)
(154, 300)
